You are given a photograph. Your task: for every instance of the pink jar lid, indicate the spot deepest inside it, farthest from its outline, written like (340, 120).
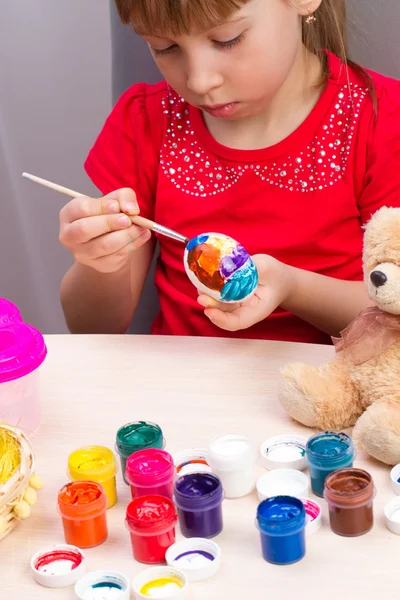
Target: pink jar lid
(22, 347)
(149, 467)
(9, 313)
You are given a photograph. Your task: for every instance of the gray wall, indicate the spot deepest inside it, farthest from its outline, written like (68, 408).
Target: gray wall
(56, 89)
(374, 37)
(55, 92)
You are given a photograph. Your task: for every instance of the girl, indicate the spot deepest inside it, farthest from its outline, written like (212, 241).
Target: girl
(263, 130)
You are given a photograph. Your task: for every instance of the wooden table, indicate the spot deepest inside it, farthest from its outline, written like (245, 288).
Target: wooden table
(195, 389)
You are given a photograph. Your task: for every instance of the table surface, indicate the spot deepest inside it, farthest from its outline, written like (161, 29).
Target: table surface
(194, 388)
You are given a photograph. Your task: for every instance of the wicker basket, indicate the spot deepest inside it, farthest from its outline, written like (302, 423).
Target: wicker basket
(13, 491)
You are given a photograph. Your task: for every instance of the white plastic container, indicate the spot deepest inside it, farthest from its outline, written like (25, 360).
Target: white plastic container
(58, 566)
(103, 585)
(394, 478)
(199, 558)
(22, 351)
(233, 459)
(392, 515)
(174, 584)
(285, 451)
(191, 460)
(283, 482)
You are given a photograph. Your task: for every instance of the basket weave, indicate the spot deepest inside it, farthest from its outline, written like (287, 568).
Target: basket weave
(12, 491)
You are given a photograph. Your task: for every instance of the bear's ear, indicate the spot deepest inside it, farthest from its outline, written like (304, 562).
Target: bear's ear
(382, 238)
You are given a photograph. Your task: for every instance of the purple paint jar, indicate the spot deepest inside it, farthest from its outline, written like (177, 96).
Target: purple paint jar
(198, 498)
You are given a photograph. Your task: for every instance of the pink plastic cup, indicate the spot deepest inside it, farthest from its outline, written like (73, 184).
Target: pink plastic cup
(151, 472)
(22, 351)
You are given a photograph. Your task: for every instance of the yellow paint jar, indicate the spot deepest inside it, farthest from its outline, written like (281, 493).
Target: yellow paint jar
(95, 463)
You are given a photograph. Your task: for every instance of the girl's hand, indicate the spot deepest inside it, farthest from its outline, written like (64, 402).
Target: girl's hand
(276, 285)
(98, 233)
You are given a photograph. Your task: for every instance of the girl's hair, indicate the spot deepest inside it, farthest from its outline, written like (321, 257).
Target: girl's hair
(177, 17)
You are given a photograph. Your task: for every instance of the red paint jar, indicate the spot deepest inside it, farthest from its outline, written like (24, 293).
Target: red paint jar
(350, 494)
(151, 521)
(82, 506)
(150, 472)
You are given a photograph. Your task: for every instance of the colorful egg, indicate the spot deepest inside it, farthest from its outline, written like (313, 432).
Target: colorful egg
(220, 267)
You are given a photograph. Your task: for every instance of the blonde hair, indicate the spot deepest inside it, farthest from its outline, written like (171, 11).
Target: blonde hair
(178, 17)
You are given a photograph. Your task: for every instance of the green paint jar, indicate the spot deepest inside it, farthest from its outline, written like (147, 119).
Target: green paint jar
(137, 436)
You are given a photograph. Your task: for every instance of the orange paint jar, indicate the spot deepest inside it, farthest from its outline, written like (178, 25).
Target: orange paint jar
(82, 506)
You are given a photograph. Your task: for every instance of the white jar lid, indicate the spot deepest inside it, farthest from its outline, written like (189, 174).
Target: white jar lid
(394, 477)
(103, 585)
(191, 460)
(58, 566)
(283, 482)
(392, 515)
(231, 452)
(199, 558)
(174, 584)
(285, 451)
(314, 515)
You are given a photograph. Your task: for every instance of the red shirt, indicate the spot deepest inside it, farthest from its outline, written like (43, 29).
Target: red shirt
(303, 201)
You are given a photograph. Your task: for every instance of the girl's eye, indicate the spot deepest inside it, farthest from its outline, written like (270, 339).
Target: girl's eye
(230, 43)
(163, 51)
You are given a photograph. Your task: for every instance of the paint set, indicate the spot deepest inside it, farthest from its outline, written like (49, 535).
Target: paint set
(188, 489)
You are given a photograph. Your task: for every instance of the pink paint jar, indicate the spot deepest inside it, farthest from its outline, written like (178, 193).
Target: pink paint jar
(150, 472)
(22, 351)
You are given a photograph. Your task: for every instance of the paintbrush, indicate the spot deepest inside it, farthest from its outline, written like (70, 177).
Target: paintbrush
(136, 220)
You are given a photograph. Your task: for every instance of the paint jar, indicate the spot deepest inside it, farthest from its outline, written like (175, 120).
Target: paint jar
(22, 351)
(233, 459)
(327, 452)
(161, 582)
(82, 506)
(281, 521)
(151, 472)
(198, 498)
(95, 463)
(137, 436)
(350, 495)
(151, 522)
(103, 585)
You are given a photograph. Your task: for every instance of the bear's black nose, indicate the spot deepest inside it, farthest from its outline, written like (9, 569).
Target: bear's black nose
(378, 278)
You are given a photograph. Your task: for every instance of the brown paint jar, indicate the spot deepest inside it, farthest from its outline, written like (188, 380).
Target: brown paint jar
(350, 494)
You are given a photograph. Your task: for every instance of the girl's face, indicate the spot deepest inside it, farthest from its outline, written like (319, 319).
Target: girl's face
(233, 70)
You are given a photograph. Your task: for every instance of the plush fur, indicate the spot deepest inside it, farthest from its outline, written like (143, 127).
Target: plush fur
(342, 394)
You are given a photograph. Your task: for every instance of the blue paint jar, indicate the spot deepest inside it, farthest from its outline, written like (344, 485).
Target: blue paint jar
(281, 521)
(327, 452)
(198, 499)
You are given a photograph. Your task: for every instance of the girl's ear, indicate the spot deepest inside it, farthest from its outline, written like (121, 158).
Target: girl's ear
(306, 7)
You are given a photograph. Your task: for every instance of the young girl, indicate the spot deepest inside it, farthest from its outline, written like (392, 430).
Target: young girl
(262, 130)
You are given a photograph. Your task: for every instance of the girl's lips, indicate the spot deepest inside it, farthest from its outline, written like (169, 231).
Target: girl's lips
(221, 110)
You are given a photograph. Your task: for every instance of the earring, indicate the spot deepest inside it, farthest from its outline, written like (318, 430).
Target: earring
(311, 17)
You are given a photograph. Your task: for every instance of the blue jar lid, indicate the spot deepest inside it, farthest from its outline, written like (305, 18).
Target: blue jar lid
(281, 515)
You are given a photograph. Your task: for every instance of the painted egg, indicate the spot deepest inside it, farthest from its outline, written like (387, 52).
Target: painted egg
(220, 267)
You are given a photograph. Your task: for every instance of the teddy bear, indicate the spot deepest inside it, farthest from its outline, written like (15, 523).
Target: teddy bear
(360, 386)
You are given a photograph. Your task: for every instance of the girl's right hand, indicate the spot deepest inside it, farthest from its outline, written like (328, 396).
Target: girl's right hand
(98, 232)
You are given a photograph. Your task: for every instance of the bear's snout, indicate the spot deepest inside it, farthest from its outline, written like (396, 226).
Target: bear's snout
(378, 278)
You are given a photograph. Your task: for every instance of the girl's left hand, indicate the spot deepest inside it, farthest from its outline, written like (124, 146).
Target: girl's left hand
(276, 284)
